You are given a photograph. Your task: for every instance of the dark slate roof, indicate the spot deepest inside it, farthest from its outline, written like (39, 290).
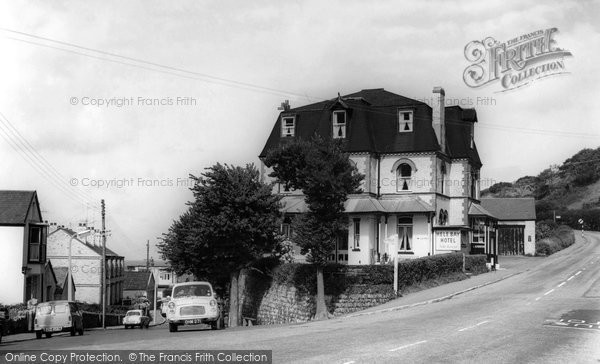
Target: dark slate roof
(372, 119)
(136, 280)
(511, 208)
(478, 210)
(61, 275)
(14, 206)
(96, 248)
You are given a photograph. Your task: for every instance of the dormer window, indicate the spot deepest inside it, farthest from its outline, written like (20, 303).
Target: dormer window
(339, 124)
(288, 126)
(405, 121)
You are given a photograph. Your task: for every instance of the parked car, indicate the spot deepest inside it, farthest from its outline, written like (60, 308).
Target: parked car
(57, 316)
(3, 322)
(135, 318)
(193, 303)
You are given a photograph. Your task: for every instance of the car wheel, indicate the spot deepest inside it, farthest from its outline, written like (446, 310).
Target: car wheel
(172, 327)
(38, 334)
(48, 335)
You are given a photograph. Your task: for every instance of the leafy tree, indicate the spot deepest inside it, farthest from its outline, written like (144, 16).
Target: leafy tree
(320, 168)
(233, 221)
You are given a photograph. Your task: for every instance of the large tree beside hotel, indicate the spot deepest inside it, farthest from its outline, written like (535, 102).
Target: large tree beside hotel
(233, 221)
(323, 172)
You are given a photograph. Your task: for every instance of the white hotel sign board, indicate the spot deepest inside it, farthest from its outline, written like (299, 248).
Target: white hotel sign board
(447, 239)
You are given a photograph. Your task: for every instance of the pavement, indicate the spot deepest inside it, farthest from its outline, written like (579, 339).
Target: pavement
(509, 266)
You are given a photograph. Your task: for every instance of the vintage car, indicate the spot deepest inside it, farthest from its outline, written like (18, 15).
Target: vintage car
(135, 318)
(57, 316)
(193, 303)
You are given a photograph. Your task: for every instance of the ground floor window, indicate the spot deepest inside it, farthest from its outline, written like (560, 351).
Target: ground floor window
(356, 234)
(405, 232)
(340, 253)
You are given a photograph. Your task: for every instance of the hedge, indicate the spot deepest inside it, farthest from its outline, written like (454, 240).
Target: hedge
(338, 278)
(561, 238)
(476, 264)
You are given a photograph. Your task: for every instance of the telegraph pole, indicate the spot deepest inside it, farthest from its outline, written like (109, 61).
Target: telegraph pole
(148, 256)
(103, 265)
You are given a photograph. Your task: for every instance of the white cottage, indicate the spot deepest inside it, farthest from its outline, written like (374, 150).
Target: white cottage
(421, 189)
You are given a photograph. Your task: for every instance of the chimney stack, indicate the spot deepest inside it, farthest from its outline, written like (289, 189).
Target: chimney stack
(438, 117)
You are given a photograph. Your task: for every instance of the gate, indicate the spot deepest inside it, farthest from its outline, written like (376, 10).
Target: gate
(511, 239)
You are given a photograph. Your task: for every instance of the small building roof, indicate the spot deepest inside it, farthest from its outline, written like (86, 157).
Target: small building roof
(511, 209)
(61, 275)
(15, 205)
(136, 281)
(477, 210)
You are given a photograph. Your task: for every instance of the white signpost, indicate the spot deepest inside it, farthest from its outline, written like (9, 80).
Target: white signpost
(447, 240)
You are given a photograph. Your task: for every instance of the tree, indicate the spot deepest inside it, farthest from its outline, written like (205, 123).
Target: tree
(233, 221)
(320, 168)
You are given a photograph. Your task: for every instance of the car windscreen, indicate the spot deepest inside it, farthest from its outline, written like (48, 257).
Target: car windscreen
(197, 290)
(134, 313)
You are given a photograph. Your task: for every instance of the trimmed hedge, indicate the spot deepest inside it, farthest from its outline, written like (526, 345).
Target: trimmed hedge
(476, 264)
(338, 278)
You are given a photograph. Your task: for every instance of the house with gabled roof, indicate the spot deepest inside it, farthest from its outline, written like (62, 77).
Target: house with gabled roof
(139, 284)
(516, 223)
(27, 272)
(421, 192)
(86, 266)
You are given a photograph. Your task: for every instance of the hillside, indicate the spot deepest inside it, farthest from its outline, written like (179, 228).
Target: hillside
(573, 185)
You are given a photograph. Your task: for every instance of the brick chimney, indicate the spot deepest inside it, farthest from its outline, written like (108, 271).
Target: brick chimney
(438, 117)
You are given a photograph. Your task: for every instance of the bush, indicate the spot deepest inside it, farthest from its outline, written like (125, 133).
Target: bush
(476, 264)
(560, 238)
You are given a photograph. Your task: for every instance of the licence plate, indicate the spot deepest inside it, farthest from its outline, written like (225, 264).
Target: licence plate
(54, 329)
(193, 322)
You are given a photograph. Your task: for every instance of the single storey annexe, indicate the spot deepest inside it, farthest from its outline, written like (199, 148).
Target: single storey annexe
(516, 224)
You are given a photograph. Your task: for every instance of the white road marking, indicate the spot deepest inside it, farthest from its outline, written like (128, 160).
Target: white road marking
(350, 362)
(571, 277)
(408, 346)
(471, 327)
(550, 291)
(578, 273)
(538, 298)
(562, 284)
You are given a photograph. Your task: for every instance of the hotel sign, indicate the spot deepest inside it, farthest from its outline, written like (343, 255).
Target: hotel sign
(447, 239)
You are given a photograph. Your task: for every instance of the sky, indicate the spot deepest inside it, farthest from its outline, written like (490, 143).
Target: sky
(122, 101)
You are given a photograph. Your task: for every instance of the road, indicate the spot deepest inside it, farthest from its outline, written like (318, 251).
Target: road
(549, 314)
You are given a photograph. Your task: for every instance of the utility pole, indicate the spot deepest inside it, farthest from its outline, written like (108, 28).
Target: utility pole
(103, 265)
(148, 256)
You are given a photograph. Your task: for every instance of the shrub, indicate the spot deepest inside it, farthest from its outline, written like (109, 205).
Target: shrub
(476, 264)
(560, 238)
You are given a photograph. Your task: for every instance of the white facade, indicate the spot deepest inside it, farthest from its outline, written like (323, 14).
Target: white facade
(11, 260)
